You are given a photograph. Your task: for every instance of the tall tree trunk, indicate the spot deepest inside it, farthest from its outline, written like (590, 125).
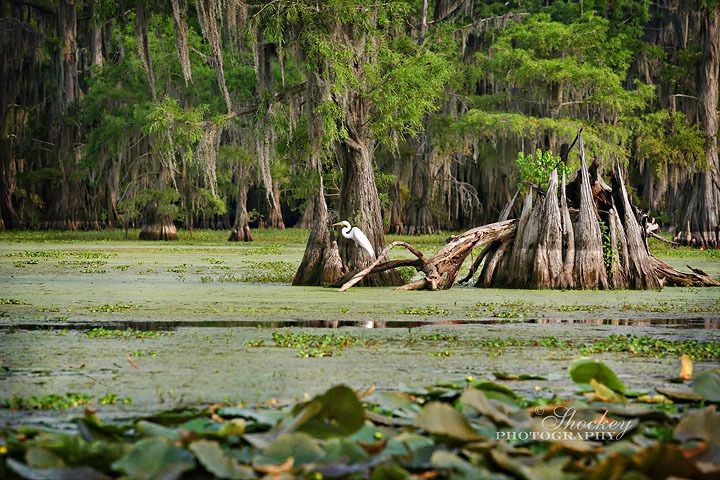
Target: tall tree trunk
(418, 214)
(321, 263)
(8, 216)
(359, 199)
(241, 227)
(276, 218)
(63, 214)
(701, 217)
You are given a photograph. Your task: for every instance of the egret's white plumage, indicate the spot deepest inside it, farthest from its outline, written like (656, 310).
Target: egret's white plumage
(357, 236)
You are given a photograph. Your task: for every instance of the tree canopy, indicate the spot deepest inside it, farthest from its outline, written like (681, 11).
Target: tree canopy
(223, 114)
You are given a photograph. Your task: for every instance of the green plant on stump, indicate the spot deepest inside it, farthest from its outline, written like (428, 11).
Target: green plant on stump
(536, 168)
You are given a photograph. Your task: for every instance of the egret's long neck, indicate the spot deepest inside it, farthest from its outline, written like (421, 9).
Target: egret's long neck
(346, 232)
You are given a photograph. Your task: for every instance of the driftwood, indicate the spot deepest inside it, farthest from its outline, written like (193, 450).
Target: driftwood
(600, 244)
(442, 268)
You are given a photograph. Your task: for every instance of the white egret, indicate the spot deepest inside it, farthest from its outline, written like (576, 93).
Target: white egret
(357, 236)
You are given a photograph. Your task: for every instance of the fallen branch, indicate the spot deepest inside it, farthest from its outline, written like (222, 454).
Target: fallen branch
(442, 268)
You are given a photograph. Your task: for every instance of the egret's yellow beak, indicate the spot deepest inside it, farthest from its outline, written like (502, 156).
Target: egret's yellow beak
(336, 224)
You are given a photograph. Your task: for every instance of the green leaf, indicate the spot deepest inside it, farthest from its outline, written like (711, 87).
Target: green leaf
(38, 457)
(604, 393)
(217, 461)
(150, 429)
(444, 460)
(510, 464)
(202, 427)
(155, 458)
(494, 387)
(679, 394)
(707, 385)
(337, 412)
(390, 471)
(702, 425)
(301, 446)
(477, 400)
(261, 418)
(343, 450)
(586, 369)
(443, 420)
(396, 402)
(407, 443)
(75, 473)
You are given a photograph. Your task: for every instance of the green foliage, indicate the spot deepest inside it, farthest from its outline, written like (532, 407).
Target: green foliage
(648, 346)
(551, 60)
(405, 85)
(314, 346)
(605, 141)
(176, 127)
(101, 332)
(537, 168)
(427, 310)
(608, 254)
(46, 402)
(116, 307)
(12, 301)
(664, 138)
(386, 433)
(584, 370)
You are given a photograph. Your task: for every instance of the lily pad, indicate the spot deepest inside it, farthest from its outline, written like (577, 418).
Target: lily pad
(586, 369)
(218, 462)
(679, 394)
(390, 471)
(155, 457)
(302, 447)
(74, 473)
(400, 404)
(38, 457)
(151, 429)
(443, 420)
(477, 400)
(702, 425)
(604, 393)
(338, 412)
(522, 376)
(461, 469)
(707, 385)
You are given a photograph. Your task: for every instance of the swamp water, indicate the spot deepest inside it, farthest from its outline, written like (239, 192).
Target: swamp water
(136, 327)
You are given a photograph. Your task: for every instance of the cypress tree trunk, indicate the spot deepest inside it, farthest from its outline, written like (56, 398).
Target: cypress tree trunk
(700, 223)
(241, 228)
(163, 229)
(63, 215)
(418, 212)
(359, 199)
(276, 219)
(321, 263)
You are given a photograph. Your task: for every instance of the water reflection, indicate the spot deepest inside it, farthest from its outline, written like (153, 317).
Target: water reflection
(162, 325)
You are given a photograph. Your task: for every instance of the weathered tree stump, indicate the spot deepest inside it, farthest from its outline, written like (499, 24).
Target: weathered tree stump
(241, 234)
(601, 244)
(158, 231)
